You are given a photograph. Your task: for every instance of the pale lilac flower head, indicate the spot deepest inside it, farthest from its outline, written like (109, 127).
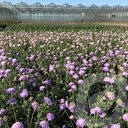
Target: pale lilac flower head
(7, 71)
(71, 84)
(81, 122)
(96, 110)
(125, 73)
(63, 107)
(11, 90)
(48, 101)
(51, 68)
(106, 69)
(2, 111)
(75, 76)
(12, 101)
(109, 80)
(80, 81)
(47, 82)
(126, 88)
(71, 72)
(115, 126)
(22, 78)
(110, 95)
(1, 122)
(22, 70)
(81, 72)
(64, 126)
(125, 64)
(72, 107)
(50, 116)
(35, 105)
(44, 124)
(14, 61)
(71, 67)
(3, 63)
(24, 93)
(106, 64)
(32, 57)
(125, 117)
(42, 88)
(17, 125)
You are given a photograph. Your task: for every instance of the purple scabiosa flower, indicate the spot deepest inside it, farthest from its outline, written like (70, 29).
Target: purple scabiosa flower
(125, 117)
(35, 105)
(77, 68)
(106, 69)
(3, 63)
(17, 125)
(51, 68)
(102, 115)
(126, 52)
(22, 70)
(34, 84)
(23, 77)
(42, 69)
(70, 90)
(96, 110)
(71, 117)
(109, 80)
(110, 95)
(126, 88)
(66, 103)
(62, 100)
(124, 64)
(12, 101)
(24, 93)
(74, 87)
(11, 90)
(71, 67)
(2, 111)
(115, 126)
(1, 71)
(42, 88)
(80, 81)
(121, 103)
(44, 124)
(75, 76)
(67, 58)
(7, 71)
(107, 65)
(81, 122)
(81, 72)
(14, 61)
(71, 84)
(125, 73)
(90, 65)
(50, 116)
(72, 107)
(32, 57)
(64, 126)
(1, 122)
(63, 107)
(47, 82)
(48, 101)
(71, 72)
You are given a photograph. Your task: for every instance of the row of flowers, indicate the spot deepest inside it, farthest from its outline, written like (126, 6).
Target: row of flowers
(42, 74)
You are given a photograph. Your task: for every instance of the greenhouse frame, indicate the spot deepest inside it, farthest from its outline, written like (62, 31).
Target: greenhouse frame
(62, 13)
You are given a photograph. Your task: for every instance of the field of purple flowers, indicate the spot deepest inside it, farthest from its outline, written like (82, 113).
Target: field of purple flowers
(42, 72)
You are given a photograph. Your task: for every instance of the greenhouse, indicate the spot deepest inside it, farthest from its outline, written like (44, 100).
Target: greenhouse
(51, 12)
